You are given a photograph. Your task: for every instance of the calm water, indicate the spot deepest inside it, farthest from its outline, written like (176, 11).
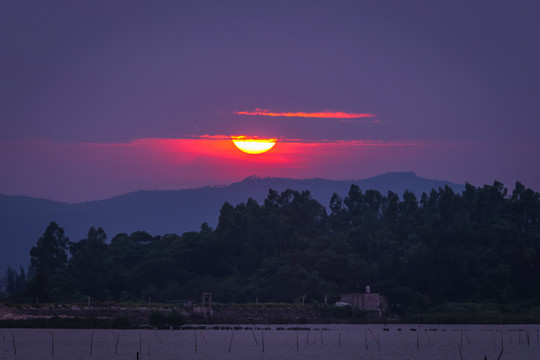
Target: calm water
(280, 342)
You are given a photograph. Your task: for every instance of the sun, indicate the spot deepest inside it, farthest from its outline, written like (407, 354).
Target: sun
(253, 145)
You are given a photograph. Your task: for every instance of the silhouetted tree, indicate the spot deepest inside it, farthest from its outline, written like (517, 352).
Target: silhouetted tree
(479, 245)
(48, 260)
(88, 267)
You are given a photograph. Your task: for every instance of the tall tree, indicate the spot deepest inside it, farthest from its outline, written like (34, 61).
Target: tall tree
(87, 267)
(48, 260)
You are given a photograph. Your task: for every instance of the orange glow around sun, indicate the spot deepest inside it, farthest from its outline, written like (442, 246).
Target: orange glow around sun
(253, 145)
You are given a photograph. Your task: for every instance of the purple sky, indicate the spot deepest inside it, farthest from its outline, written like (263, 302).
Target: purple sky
(88, 89)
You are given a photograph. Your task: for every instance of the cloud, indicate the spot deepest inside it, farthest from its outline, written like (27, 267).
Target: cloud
(357, 142)
(322, 114)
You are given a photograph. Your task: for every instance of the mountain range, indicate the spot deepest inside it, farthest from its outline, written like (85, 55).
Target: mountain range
(24, 219)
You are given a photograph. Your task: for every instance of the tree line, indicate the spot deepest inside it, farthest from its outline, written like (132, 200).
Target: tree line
(481, 245)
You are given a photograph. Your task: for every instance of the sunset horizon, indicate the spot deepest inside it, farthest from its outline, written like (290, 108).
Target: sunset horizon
(174, 171)
(196, 161)
(95, 103)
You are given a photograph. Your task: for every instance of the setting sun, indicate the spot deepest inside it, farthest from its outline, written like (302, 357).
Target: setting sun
(253, 146)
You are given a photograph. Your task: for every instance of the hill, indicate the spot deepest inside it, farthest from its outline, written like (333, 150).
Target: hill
(24, 219)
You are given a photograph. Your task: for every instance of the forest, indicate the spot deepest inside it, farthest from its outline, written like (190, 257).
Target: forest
(478, 246)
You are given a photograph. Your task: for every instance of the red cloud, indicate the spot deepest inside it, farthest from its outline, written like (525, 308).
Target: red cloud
(323, 114)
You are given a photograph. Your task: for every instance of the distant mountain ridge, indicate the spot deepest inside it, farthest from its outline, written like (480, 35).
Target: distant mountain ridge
(24, 219)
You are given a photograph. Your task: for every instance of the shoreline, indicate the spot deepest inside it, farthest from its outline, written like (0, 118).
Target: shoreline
(134, 316)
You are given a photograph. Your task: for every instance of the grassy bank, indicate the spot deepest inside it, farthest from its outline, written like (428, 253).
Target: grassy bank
(124, 316)
(474, 313)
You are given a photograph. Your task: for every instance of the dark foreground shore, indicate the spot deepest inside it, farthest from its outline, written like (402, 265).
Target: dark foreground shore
(174, 316)
(164, 315)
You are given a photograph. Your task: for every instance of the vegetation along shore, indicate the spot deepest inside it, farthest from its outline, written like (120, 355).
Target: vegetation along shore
(462, 257)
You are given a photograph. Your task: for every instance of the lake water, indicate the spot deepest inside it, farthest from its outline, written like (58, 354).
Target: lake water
(279, 342)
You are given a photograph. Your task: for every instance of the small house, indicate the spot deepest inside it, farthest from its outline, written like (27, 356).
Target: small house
(367, 301)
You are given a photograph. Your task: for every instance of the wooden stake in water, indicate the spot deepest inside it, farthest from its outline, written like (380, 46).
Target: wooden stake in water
(321, 337)
(157, 335)
(117, 341)
(365, 339)
(254, 337)
(262, 340)
(91, 342)
(3, 338)
(499, 357)
(307, 337)
(204, 337)
(339, 339)
(376, 339)
(230, 343)
(14, 347)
